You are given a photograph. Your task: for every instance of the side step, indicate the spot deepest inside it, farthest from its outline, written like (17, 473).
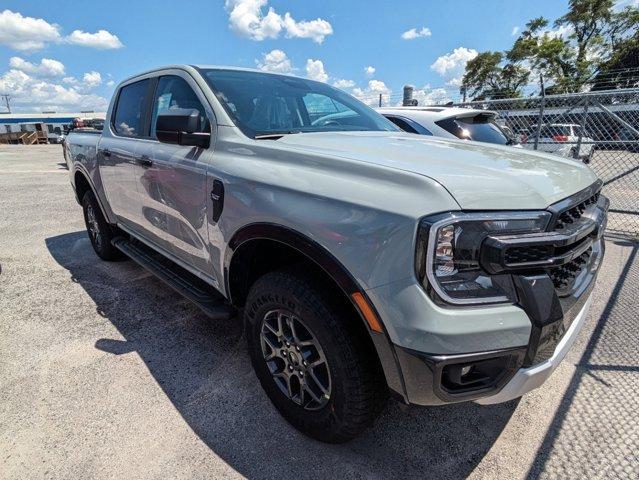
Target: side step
(203, 295)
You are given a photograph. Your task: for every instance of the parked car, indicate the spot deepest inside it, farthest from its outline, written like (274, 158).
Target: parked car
(629, 139)
(362, 260)
(450, 122)
(562, 139)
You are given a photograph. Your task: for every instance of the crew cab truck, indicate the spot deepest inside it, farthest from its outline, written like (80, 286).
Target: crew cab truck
(365, 262)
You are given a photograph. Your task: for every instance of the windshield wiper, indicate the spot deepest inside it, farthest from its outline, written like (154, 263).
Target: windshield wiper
(274, 135)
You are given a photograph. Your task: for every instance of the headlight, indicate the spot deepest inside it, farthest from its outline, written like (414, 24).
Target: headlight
(448, 248)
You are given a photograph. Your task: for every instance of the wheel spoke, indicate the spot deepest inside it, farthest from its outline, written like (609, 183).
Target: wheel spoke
(317, 382)
(288, 340)
(270, 344)
(312, 394)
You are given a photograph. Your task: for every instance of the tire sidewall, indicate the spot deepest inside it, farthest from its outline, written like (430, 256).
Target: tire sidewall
(310, 311)
(105, 250)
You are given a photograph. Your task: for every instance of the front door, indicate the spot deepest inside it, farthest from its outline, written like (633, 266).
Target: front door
(180, 178)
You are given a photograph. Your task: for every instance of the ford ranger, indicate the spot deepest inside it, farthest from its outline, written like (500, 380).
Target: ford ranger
(365, 262)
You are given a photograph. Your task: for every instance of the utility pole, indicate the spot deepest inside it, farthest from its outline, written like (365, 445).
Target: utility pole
(6, 98)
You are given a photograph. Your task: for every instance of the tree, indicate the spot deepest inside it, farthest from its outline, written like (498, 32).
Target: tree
(486, 77)
(621, 70)
(545, 52)
(586, 20)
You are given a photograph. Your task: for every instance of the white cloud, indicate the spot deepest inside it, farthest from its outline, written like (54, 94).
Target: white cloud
(369, 71)
(92, 79)
(275, 61)
(343, 83)
(562, 31)
(315, 70)
(452, 65)
(317, 29)
(31, 93)
(26, 33)
(414, 33)
(621, 4)
(514, 31)
(247, 20)
(431, 96)
(110, 83)
(370, 94)
(101, 39)
(47, 67)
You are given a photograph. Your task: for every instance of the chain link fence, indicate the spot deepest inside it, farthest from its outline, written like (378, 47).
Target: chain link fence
(598, 128)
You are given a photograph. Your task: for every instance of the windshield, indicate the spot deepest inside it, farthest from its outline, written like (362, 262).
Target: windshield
(263, 104)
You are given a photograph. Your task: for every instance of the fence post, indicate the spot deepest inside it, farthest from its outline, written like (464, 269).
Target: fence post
(541, 111)
(584, 118)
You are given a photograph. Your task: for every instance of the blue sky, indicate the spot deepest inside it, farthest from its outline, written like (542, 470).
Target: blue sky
(345, 36)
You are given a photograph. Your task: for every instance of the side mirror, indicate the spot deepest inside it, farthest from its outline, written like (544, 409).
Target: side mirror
(181, 126)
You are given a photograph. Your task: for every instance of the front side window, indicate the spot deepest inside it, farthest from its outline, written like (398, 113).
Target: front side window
(174, 92)
(264, 104)
(129, 111)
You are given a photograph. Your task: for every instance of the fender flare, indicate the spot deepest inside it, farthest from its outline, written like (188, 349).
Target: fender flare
(79, 168)
(324, 259)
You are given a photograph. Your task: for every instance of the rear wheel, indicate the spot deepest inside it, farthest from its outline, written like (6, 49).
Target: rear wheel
(100, 232)
(314, 367)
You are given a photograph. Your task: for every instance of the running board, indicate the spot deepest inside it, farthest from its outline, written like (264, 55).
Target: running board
(203, 295)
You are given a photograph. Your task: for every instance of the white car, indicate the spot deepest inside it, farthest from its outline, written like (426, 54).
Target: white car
(561, 139)
(449, 122)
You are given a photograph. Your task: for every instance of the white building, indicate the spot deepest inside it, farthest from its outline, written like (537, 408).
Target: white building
(53, 123)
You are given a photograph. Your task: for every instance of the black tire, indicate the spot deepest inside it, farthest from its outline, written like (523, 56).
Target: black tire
(99, 231)
(358, 390)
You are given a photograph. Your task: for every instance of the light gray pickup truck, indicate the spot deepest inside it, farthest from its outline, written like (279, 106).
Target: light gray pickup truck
(364, 261)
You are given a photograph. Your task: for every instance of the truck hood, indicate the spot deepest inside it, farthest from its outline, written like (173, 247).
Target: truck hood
(479, 176)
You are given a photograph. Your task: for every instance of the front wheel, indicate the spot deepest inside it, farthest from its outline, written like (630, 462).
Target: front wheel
(314, 366)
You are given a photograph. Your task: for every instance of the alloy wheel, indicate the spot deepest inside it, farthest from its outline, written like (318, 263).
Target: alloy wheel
(295, 359)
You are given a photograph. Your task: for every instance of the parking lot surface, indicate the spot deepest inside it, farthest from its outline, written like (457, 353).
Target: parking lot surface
(107, 373)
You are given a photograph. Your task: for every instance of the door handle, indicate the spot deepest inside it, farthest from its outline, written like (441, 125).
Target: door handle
(105, 152)
(144, 161)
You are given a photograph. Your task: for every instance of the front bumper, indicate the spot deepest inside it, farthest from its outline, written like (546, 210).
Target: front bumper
(527, 379)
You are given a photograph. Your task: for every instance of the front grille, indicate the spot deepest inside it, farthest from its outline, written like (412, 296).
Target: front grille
(529, 253)
(563, 277)
(574, 213)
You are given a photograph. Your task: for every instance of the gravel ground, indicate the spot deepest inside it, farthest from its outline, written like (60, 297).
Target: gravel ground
(107, 373)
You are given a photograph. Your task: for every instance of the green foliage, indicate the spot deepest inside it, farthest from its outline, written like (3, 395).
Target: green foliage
(587, 39)
(485, 77)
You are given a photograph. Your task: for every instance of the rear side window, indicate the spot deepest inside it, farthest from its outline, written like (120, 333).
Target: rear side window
(411, 127)
(479, 128)
(129, 111)
(402, 124)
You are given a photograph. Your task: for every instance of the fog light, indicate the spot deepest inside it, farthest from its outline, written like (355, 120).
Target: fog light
(466, 370)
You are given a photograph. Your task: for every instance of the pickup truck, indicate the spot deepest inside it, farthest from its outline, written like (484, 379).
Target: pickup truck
(366, 263)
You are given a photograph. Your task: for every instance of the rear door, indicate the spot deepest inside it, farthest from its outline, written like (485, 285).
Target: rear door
(179, 180)
(117, 153)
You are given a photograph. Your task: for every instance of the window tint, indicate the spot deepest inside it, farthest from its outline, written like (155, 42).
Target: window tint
(174, 92)
(402, 124)
(479, 128)
(129, 111)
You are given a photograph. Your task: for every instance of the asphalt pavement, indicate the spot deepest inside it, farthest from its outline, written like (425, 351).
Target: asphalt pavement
(106, 373)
